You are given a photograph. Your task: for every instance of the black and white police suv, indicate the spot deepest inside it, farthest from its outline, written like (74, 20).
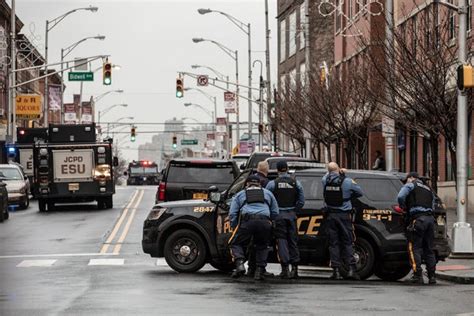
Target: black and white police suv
(192, 233)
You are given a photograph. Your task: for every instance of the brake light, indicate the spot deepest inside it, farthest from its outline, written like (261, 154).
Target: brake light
(398, 209)
(161, 191)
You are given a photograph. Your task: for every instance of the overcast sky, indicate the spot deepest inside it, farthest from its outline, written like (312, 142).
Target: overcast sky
(151, 41)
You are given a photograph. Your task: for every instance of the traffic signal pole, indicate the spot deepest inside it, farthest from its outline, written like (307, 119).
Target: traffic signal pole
(12, 91)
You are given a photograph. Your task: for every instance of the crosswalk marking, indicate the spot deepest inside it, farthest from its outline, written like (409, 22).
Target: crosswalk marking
(36, 263)
(106, 262)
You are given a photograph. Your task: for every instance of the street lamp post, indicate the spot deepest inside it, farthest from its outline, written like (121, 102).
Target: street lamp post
(100, 96)
(235, 56)
(210, 113)
(247, 30)
(107, 110)
(210, 97)
(50, 24)
(64, 52)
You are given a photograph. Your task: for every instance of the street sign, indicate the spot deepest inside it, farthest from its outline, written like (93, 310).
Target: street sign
(81, 76)
(202, 80)
(221, 126)
(189, 142)
(28, 106)
(229, 102)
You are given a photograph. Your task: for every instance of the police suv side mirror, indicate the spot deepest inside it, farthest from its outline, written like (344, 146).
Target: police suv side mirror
(213, 188)
(242, 166)
(215, 197)
(115, 161)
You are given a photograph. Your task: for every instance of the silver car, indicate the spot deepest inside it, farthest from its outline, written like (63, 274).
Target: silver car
(17, 185)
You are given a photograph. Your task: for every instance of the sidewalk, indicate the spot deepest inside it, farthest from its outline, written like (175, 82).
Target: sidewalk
(458, 269)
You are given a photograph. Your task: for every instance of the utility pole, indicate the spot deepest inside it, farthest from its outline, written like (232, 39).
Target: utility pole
(249, 94)
(388, 124)
(267, 64)
(45, 96)
(307, 67)
(12, 90)
(462, 231)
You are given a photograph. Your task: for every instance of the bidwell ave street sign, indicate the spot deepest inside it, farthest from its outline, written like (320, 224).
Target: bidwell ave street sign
(189, 142)
(81, 76)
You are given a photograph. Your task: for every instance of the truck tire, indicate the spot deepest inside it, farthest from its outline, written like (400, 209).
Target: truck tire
(392, 275)
(109, 202)
(364, 251)
(100, 204)
(42, 205)
(185, 251)
(2, 216)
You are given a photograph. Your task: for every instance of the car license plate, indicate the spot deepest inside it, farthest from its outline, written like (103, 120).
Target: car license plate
(199, 196)
(73, 186)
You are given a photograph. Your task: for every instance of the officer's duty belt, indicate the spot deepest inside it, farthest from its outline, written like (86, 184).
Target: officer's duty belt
(247, 217)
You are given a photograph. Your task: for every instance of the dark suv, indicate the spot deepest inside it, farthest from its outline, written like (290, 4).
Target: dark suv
(257, 156)
(186, 179)
(190, 234)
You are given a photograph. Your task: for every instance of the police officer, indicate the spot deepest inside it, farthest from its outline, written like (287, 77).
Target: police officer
(251, 212)
(338, 192)
(290, 197)
(418, 199)
(262, 173)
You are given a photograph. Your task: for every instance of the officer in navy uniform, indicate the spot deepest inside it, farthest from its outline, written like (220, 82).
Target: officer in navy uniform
(251, 213)
(290, 197)
(418, 199)
(339, 190)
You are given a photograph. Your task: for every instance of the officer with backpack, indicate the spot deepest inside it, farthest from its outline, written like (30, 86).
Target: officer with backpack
(418, 199)
(290, 197)
(339, 190)
(251, 213)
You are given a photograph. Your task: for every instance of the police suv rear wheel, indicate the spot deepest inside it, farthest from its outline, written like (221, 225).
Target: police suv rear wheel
(25, 204)
(185, 251)
(365, 259)
(2, 216)
(393, 274)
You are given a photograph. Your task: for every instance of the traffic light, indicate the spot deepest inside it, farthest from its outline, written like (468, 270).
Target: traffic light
(179, 87)
(465, 77)
(107, 73)
(132, 134)
(175, 142)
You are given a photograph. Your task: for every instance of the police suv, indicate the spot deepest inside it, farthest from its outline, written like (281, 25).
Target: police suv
(191, 233)
(73, 167)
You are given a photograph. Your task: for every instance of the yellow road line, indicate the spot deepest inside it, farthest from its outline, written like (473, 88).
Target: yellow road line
(129, 223)
(116, 228)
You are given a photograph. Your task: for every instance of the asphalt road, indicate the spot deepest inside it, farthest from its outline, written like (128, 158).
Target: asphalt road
(79, 260)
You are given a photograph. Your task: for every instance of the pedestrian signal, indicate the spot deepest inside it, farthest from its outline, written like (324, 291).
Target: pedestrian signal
(465, 77)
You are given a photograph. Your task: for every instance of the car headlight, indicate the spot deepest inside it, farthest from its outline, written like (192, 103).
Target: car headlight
(102, 172)
(156, 214)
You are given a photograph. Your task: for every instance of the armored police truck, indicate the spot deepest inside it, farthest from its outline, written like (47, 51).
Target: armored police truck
(194, 232)
(73, 167)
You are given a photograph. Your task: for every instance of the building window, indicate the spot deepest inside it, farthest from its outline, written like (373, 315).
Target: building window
(469, 15)
(292, 33)
(452, 25)
(293, 79)
(414, 36)
(413, 151)
(349, 8)
(303, 74)
(282, 40)
(338, 16)
(282, 85)
(401, 145)
(302, 25)
(428, 32)
(426, 157)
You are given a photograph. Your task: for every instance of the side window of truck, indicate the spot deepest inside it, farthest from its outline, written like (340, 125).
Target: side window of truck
(238, 184)
(312, 187)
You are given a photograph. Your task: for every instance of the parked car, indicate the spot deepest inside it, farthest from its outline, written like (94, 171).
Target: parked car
(3, 202)
(256, 157)
(17, 185)
(189, 234)
(294, 163)
(186, 179)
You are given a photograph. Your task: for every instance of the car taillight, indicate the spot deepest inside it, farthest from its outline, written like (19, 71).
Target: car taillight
(398, 209)
(161, 191)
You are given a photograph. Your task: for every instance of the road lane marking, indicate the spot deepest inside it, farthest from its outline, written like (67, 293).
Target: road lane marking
(106, 262)
(129, 223)
(116, 228)
(35, 263)
(57, 255)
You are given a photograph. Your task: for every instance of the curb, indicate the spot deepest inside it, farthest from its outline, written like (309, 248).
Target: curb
(455, 278)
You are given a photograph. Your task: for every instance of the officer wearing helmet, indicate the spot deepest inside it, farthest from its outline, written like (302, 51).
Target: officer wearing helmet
(418, 199)
(251, 213)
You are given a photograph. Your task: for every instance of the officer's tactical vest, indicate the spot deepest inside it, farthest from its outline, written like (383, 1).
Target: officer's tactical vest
(254, 195)
(421, 196)
(333, 195)
(285, 191)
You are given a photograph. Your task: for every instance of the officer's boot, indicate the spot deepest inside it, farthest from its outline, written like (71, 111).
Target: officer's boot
(294, 271)
(285, 272)
(266, 273)
(336, 274)
(239, 269)
(259, 274)
(351, 274)
(251, 271)
(431, 277)
(417, 278)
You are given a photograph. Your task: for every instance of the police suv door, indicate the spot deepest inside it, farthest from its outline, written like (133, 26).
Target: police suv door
(223, 229)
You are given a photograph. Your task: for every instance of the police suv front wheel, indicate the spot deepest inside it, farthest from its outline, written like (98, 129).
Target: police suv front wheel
(185, 251)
